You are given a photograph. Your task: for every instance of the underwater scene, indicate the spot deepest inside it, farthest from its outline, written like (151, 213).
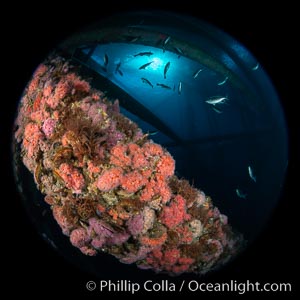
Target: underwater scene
(153, 140)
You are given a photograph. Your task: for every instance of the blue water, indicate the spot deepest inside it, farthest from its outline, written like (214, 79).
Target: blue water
(213, 150)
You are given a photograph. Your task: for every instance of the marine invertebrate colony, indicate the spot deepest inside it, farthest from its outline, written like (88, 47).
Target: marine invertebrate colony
(110, 188)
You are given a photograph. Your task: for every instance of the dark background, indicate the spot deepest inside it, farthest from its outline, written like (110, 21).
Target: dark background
(28, 35)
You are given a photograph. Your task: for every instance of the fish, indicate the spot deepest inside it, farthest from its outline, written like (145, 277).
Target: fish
(240, 194)
(164, 86)
(117, 70)
(135, 107)
(178, 51)
(149, 133)
(255, 67)
(207, 60)
(167, 66)
(103, 69)
(120, 72)
(143, 67)
(216, 110)
(250, 171)
(147, 81)
(49, 241)
(224, 81)
(131, 39)
(165, 42)
(216, 100)
(195, 75)
(143, 54)
(105, 60)
(153, 132)
(179, 88)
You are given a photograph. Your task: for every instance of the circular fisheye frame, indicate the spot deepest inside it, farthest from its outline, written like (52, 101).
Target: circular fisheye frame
(147, 140)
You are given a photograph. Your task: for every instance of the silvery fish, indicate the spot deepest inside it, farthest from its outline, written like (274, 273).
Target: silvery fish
(216, 100)
(131, 38)
(105, 59)
(179, 51)
(167, 66)
(240, 194)
(195, 75)
(147, 82)
(164, 86)
(255, 67)
(179, 87)
(224, 81)
(216, 110)
(143, 54)
(154, 132)
(145, 65)
(166, 41)
(250, 171)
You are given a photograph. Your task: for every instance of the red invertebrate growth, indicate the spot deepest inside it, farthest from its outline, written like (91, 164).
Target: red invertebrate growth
(72, 177)
(109, 179)
(110, 188)
(133, 181)
(175, 213)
